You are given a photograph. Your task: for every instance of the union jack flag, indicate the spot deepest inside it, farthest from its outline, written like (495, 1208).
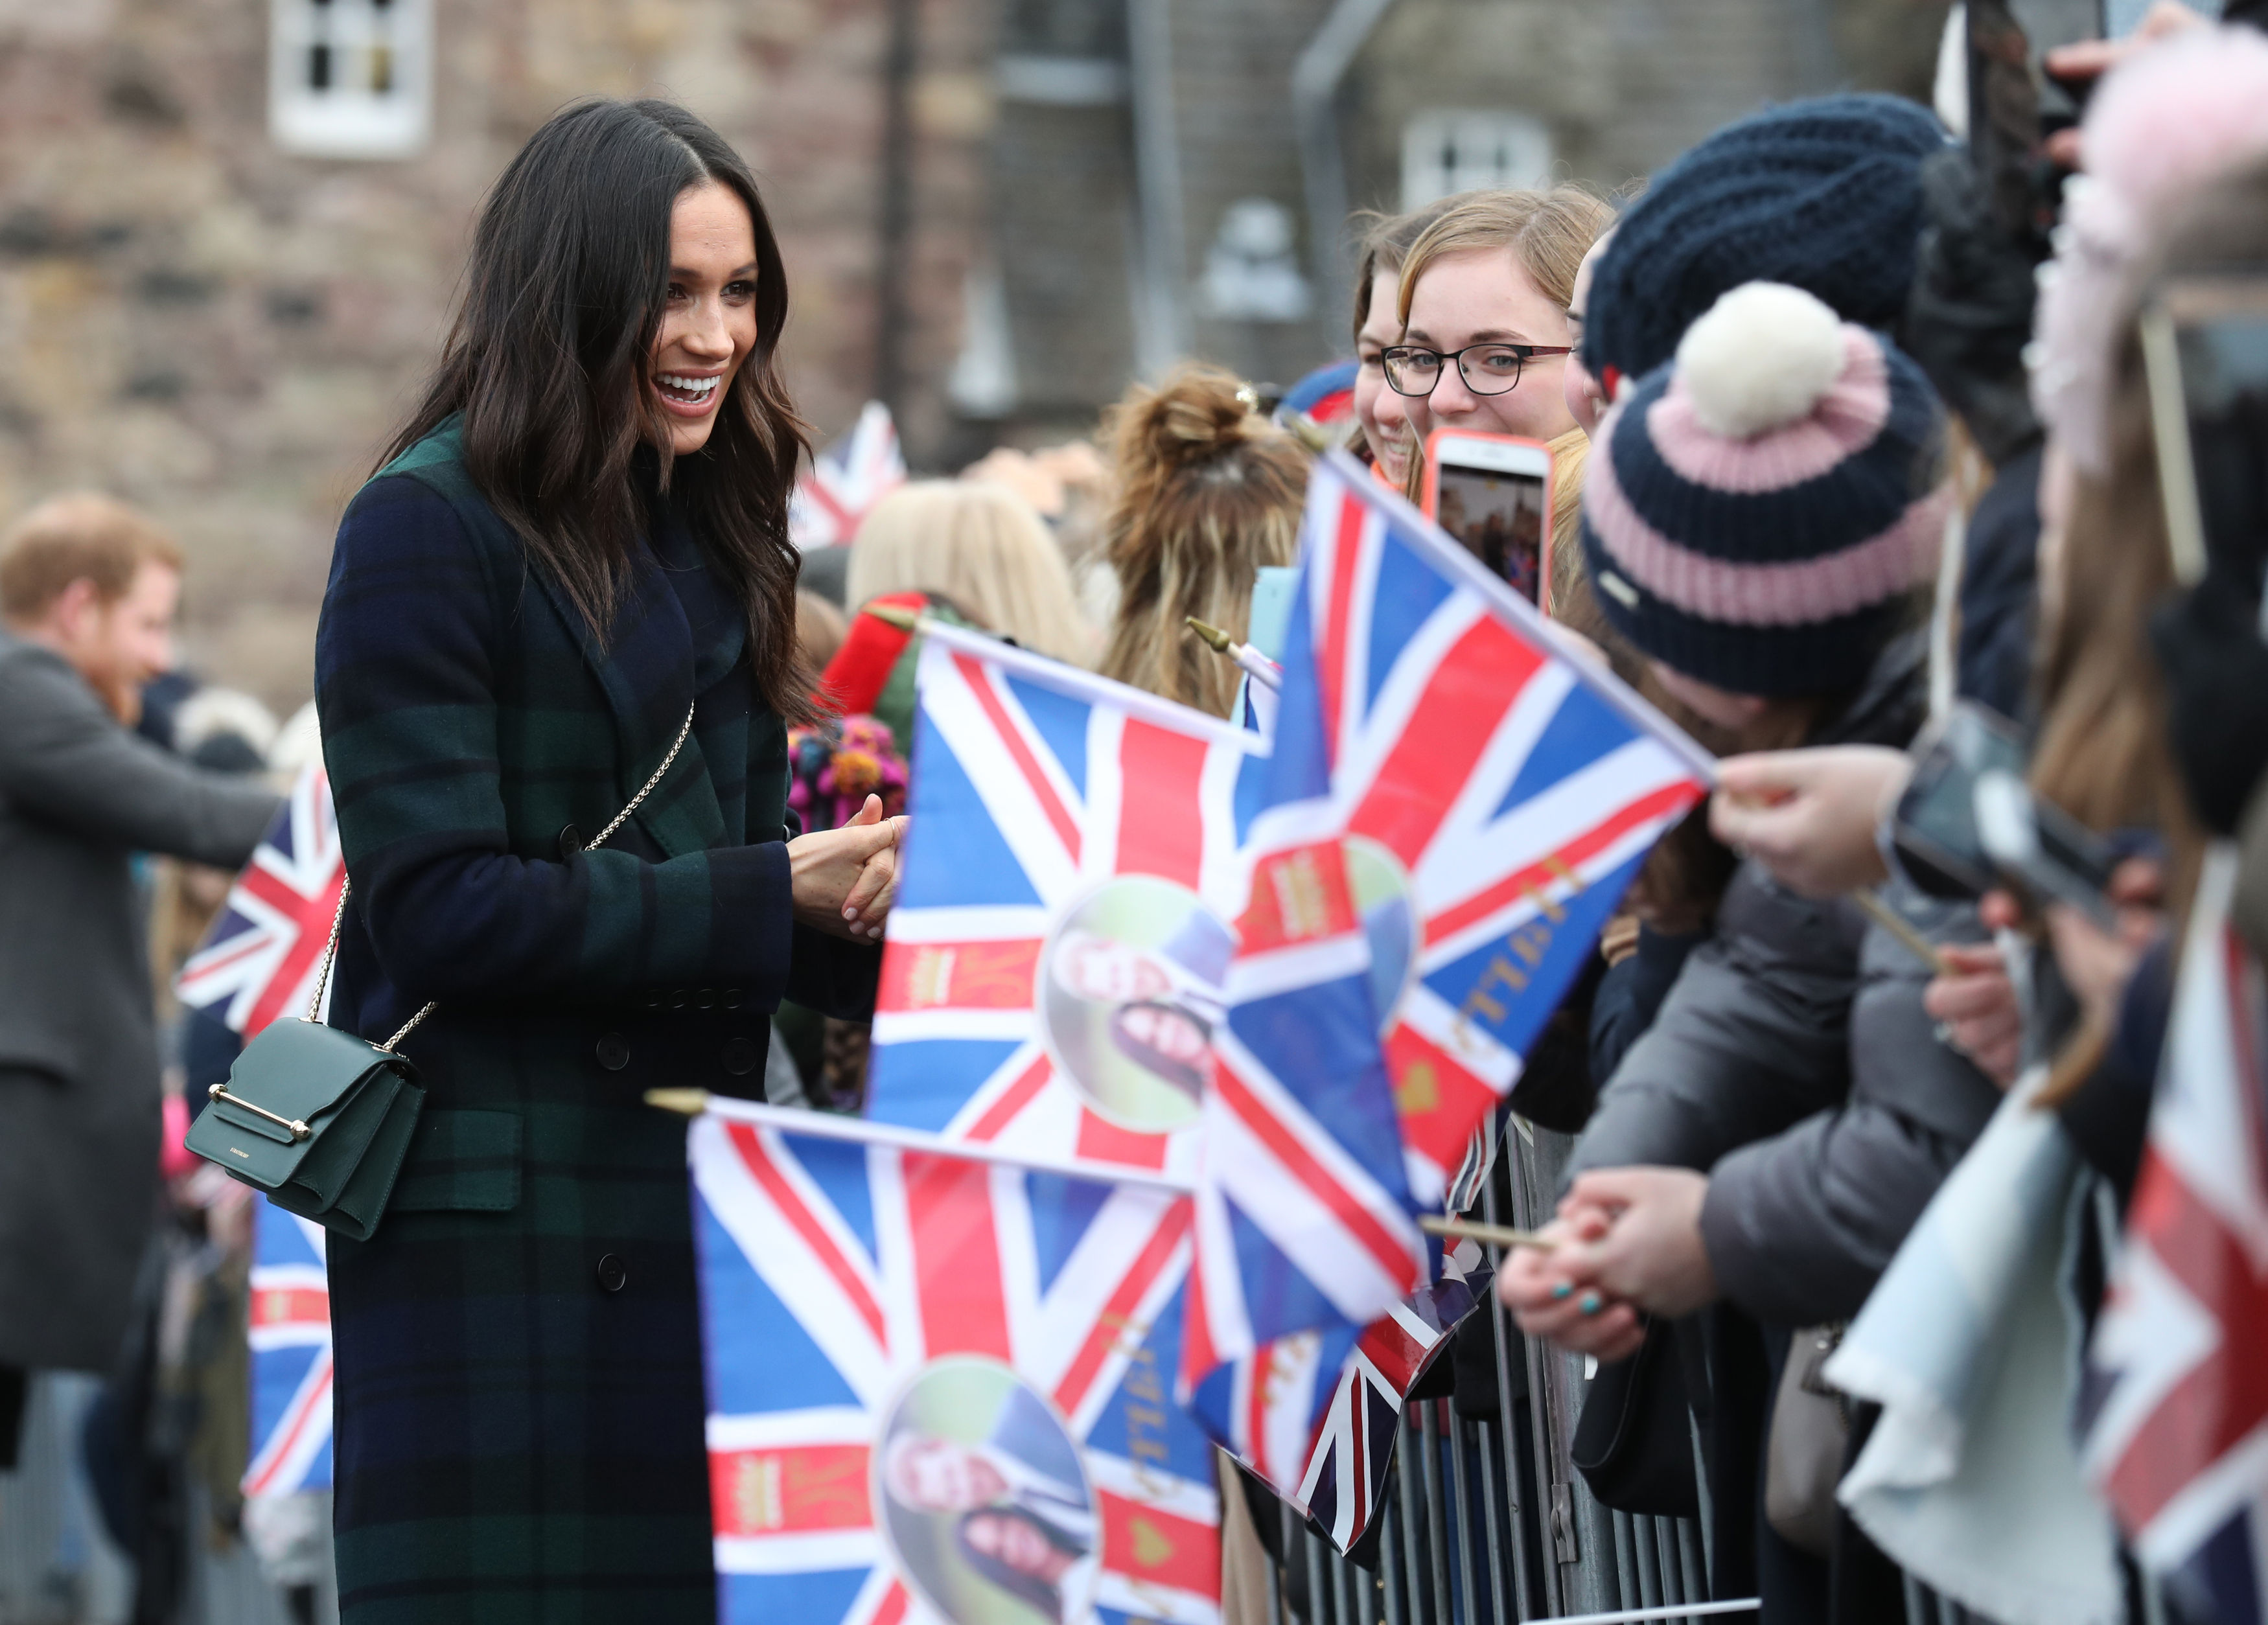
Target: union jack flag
(291, 1354)
(846, 480)
(2177, 1399)
(261, 958)
(1495, 794)
(1052, 977)
(1345, 1470)
(1453, 807)
(939, 1388)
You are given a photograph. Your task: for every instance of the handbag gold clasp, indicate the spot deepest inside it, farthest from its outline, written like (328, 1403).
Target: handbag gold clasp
(299, 1130)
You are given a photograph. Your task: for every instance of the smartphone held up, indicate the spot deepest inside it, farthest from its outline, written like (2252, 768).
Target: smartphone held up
(1492, 493)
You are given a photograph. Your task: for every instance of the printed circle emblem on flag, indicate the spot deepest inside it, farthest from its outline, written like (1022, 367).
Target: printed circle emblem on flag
(982, 1498)
(1130, 994)
(1382, 897)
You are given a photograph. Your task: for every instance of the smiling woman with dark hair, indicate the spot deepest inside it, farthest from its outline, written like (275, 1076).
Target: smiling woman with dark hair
(570, 579)
(1023, 1555)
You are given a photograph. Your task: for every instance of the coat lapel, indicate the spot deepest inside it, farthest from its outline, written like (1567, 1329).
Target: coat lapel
(646, 671)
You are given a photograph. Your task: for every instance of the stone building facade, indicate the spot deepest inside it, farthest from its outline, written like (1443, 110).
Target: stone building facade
(224, 330)
(204, 309)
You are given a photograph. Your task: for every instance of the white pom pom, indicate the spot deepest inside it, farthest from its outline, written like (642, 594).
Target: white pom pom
(1759, 359)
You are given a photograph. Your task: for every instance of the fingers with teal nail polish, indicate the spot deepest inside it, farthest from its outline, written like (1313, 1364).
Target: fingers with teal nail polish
(1561, 1289)
(1592, 1302)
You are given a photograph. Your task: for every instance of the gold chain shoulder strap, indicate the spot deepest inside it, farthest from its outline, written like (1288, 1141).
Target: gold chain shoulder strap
(331, 951)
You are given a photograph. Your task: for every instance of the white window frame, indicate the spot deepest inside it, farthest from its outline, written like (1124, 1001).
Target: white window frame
(1457, 149)
(351, 117)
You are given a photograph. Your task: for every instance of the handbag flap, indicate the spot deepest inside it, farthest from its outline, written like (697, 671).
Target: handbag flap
(302, 1071)
(299, 1071)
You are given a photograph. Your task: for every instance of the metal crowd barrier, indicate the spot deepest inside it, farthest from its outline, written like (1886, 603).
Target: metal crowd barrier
(1486, 1521)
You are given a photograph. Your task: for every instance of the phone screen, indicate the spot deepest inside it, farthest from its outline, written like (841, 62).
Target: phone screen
(1500, 518)
(1935, 825)
(2048, 24)
(2224, 354)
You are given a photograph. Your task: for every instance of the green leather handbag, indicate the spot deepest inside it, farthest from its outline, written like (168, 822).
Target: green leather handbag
(318, 1119)
(321, 1119)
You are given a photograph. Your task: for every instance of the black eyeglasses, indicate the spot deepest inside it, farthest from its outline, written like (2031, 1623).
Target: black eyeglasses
(1487, 369)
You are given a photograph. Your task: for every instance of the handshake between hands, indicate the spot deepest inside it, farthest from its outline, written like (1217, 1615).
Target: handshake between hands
(844, 880)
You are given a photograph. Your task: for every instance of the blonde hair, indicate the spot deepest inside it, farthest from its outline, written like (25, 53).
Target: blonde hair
(1570, 583)
(983, 548)
(83, 537)
(1207, 492)
(1548, 230)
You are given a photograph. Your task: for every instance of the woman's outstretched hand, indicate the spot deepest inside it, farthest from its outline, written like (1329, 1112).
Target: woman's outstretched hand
(844, 879)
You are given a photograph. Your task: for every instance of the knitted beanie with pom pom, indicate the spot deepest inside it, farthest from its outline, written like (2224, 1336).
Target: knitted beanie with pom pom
(1769, 500)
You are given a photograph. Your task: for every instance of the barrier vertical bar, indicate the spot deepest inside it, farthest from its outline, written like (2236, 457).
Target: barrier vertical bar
(1649, 1564)
(1437, 1540)
(1511, 1343)
(1319, 1598)
(1696, 1567)
(1389, 1551)
(1527, 1214)
(1484, 1448)
(1412, 1542)
(1461, 1507)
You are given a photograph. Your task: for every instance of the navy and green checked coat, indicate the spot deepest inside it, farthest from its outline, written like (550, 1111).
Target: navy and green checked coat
(519, 1392)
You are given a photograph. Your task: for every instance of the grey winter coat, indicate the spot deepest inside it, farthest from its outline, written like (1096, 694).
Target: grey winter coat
(1794, 1062)
(1754, 1036)
(1799, 1226)
(79, 1105)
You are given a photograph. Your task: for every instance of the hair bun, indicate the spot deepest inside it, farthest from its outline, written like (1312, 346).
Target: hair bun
(1759, 359)
(1195, 414)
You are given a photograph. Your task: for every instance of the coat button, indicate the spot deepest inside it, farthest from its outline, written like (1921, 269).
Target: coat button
(677, 998)
(570, 842)
(740, 1056)
(732, 998)
(706, 998)
(613, 1275)
(614, 1052)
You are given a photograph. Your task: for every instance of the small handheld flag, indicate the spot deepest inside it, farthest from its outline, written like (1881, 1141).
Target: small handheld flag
(845, 481)
(1496, 791)
(291, 1354)
(1052, 981)
(260, 957)
(939, 1388)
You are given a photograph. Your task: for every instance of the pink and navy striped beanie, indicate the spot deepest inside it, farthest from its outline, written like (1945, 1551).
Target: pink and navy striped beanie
(1769, 499)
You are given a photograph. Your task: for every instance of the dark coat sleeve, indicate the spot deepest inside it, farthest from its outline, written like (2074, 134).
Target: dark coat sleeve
(829, 975)
(1753, 1038)
(1631, 994)
(406, 685)
(2107, 1116)
(65, 759)
(1798, 1227)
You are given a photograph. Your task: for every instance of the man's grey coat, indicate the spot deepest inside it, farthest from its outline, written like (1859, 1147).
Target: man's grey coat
(79, 1106)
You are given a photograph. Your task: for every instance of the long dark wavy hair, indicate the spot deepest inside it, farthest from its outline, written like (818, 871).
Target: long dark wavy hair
(548, 361)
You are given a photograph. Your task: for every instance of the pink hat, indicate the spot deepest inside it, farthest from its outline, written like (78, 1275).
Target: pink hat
(2163, 125)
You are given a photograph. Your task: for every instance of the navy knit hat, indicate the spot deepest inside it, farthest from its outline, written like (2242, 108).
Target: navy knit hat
(1823, 194)
(1769, 501)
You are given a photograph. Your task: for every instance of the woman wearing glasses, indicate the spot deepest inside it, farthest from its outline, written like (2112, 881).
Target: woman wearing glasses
(1484, 297)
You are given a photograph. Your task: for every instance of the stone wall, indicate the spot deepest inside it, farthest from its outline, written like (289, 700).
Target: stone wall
(226, 334)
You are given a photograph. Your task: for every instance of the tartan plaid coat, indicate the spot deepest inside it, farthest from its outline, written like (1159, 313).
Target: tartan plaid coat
(519, 1387)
